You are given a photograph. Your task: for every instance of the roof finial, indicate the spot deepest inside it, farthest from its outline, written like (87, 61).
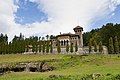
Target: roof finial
(60, 32)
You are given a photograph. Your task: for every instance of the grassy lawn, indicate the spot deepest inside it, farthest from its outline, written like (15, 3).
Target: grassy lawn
(67, 67)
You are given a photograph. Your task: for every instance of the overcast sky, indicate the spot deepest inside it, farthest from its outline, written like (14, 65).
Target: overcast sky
(41, 17)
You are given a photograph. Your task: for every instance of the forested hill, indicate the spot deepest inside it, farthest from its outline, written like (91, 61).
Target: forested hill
(103, 34)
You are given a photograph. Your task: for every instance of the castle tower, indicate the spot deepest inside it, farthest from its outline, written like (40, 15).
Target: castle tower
(78, 31)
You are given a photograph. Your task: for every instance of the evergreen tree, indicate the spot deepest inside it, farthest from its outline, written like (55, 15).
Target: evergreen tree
(76, 47)
(43, 47)
(39, 38)
(111, 47)
(71, 47)
(33, 48)
(51, 48)
(95, 46)
(90, 45)
(43, 38)
(47, 37)
(40, 46)
(27, 48)
(100, 47)
(36, 48)
(51, 37)
(47, 47)
(58, 47)
(10, 48)
(116, 45)
(67, 48)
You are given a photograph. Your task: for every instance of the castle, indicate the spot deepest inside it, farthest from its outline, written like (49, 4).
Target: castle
(69, 38)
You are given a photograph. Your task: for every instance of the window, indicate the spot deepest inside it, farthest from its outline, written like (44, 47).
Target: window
(61, 43)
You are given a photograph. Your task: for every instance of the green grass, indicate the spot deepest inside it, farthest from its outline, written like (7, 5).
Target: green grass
(68, 67)
(25, 57)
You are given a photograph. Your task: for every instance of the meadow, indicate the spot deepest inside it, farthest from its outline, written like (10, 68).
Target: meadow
(67, 67)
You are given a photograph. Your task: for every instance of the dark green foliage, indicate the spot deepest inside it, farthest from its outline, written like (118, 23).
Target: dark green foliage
(95, 46)
(58, 47)
(76, 47)
(43, 47)
(88, 35)
(40, 46)
(63, 77)
(4, 47)
(33, 48)
(36, 48)
(103, 34)
(90, 45)
(19, 44)
(87, 77)
(115, 77)
(71, 47)
(51, 47)
(116, 45)
(111, 47)
(52, 37)
(100, 47)
(47, 47)
(47, 37)
(67, 48)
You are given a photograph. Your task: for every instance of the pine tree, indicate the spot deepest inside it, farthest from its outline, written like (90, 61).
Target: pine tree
(100, 47)
(116, 45)
(58, 47)
(47, 47)
(67, 48)
(27, 48)
(43, 47)
(95, 46)
(36, 48)
(90, 45)
(40, 46)
(47, 37)
(51, 48)
(111, 47)
(39, 38)
(76, 47)
(33, 48)
(71, 47)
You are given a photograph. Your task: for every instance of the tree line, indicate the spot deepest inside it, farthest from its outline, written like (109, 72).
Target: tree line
(20, 44)
(108, 35)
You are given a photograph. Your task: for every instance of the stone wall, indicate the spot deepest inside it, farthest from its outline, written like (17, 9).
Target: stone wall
(84, 50)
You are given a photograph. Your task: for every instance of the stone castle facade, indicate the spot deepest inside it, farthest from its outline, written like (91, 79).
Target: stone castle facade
(69, 38)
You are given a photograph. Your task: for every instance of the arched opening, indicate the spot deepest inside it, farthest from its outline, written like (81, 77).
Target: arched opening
(61, 43)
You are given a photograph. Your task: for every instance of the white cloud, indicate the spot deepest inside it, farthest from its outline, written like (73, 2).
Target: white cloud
(63, 15)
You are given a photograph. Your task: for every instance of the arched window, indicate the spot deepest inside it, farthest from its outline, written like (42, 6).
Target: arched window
(61, 43)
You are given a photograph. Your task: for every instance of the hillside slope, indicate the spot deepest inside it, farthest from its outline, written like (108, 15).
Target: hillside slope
(66, 67)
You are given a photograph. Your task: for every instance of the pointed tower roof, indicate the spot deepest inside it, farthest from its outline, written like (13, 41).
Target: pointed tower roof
(78, 27)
